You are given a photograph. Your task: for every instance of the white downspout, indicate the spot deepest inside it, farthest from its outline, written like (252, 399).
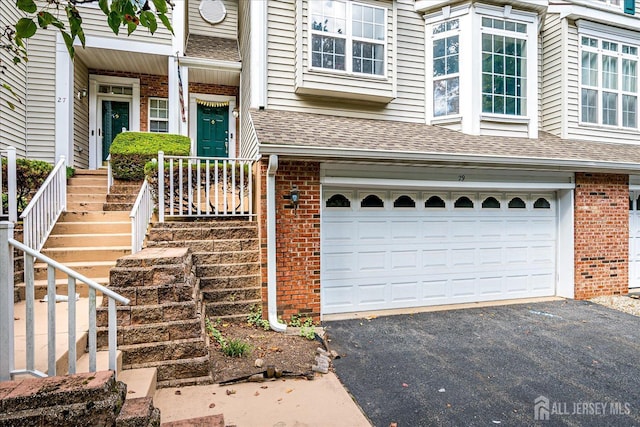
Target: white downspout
(271, 246)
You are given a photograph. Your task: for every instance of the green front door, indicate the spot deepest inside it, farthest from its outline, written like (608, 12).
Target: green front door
(115, 117)
(213, 131)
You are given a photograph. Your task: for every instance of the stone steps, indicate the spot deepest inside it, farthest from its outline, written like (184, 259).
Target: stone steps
(196, 370)
(232, 294)
(235, 269)
(147, 314)
(166, 350)
(208, 284)
(138, 412)
(222, 309)
(226, 257)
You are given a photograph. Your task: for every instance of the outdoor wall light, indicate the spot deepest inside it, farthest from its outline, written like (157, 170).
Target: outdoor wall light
(294, 196)
(235, 113)
(82, 93)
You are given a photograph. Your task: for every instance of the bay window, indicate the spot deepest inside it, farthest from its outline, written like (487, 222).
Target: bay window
(504, 66)
(349, 37)
(609, 83)
(446, 70)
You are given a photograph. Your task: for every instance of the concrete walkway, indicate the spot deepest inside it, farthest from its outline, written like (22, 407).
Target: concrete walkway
(282, 403)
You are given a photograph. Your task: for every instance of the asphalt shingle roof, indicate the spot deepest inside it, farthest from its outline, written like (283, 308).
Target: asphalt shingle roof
(296, 129)
(219, 48)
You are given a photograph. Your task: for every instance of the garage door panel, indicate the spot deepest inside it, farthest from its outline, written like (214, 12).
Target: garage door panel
(379, 258)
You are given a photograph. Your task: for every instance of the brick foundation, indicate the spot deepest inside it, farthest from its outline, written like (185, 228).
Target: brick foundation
(601, 235)
(297, 237)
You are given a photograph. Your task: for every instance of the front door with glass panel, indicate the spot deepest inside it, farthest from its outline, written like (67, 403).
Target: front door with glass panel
(115, 119)
(213, 131)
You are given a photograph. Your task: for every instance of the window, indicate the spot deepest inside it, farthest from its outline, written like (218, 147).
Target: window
(609, 83)
(338, 201)
(491, 203)
(541, 203)
(446, 79)
(372, 201)
(158, 115)
(404, 202)
(517, 203)
(504, 67)
(348, 37)
(434, 202)
(463, 202)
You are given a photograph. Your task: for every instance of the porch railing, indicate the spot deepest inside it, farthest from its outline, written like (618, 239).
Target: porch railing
(7, 362)
(8, 181)
(141, 217)
(109, 175)
(190, 186)
(45, 208)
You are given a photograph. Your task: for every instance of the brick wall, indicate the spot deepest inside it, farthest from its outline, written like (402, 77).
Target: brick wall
(601, 235)
(157, 86)
(297, 237)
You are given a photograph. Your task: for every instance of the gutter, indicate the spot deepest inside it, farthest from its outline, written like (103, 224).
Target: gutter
(271, 246)
(511, 161)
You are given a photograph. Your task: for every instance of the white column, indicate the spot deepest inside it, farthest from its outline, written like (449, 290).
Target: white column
(258, 54)
(176, 125)
(64, 103)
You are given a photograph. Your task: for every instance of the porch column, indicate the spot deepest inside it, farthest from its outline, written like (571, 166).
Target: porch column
(64, 103)
(176, 125)
(6, 301)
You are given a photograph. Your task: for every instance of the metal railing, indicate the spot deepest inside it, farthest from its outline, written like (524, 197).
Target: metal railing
(9, 181)
(109, 175)
(141, 217)
(7, 363)
(190, 186)
(45, 208)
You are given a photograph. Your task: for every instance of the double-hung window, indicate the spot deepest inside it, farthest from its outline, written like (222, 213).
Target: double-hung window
(158, 115)
(446, 70)
(504, 66)
(609, 83)
(349, 37)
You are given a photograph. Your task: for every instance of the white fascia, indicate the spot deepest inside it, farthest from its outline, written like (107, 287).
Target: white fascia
(400, 156)
(211, 64)
(258, 54)
(594, 12)
(63, 103)
(127, 46)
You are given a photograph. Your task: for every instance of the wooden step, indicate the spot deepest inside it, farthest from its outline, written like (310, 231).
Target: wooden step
(90, 180)
(79, 198)
(40, 287)
(86, 268)
(82, 216)
(87, 253)
(91, 172)
(98, 227)
(78, 240)
(85, 206)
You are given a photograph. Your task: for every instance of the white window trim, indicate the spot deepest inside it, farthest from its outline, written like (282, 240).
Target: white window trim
(599, 88)
(348, 43)
(433, 37)
(157, 119)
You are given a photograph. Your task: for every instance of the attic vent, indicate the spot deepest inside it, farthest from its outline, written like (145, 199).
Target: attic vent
(212, 11)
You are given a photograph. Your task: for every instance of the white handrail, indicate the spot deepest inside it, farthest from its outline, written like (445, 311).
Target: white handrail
(12, 186)
(141, 217)
(109, 175)
(205, 186)
(45, 208)
(7, 366)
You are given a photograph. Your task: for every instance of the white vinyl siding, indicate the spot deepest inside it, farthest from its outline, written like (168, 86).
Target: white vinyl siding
(552, 56)
(408, 72)
(94, 23)
(248, 138)
(80, 116)
(576, 128)
(226, 29)
(12, 122)
(41, 96)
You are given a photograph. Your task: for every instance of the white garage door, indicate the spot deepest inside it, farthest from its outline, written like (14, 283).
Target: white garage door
(393, 249)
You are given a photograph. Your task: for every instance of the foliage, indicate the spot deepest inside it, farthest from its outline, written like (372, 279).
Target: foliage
(71, 172)
(130, 151)
(255, 318)
(30, 175)
(233, 347)
(307, 328)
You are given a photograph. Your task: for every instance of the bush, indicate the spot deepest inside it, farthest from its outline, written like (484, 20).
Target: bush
(30, 175)
(130, 151)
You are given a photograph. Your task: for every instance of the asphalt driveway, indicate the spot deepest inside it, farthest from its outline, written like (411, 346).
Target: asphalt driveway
(487, 366)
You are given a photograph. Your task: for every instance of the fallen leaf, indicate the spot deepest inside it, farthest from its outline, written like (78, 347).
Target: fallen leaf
(279, 399)
(405, 385)
(131, 391)
(229, 392)
(178, 393)
(257, 393)
(289, 390)
(264, 386)
(212, 405)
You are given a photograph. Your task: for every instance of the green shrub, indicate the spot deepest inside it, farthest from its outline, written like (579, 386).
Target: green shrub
(130, 151)
(30, 175)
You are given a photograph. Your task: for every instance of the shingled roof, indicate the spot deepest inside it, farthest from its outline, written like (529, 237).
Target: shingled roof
(218, 48)
(297, 133)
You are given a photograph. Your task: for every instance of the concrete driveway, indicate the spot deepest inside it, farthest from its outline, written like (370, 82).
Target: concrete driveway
(487, 366)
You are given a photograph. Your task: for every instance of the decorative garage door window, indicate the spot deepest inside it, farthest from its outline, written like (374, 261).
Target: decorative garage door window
(430, 201)
(634, 240)
(384, 249)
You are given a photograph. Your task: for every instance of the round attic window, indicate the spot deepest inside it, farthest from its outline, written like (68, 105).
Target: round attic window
(212, 11)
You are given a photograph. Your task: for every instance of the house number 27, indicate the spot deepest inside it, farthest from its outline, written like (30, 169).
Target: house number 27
(62, 99)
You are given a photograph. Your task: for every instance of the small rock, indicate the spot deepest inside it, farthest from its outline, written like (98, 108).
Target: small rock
(212, 405)
(334, 354)
(257, 393)
(258, 363)
(320, 369)
(178, 393)
(230, 392)
(321, 351)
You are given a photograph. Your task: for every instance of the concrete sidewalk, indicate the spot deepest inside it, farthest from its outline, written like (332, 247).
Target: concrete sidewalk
(290, 402)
